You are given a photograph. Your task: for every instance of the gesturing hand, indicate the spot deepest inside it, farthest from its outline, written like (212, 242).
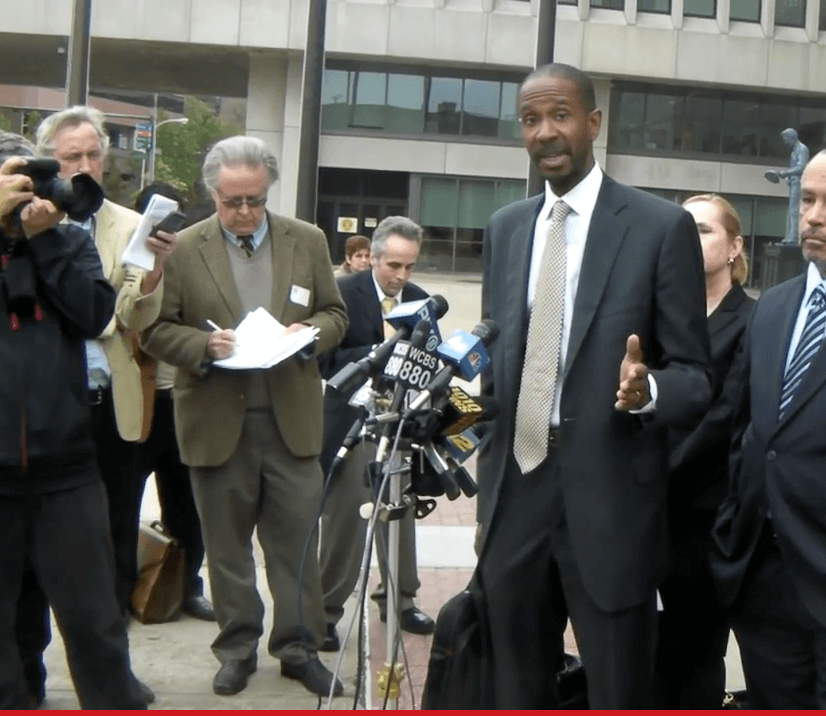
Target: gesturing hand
(633, 379)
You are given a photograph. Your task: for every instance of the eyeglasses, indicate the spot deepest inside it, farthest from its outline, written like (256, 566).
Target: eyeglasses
(237, 202)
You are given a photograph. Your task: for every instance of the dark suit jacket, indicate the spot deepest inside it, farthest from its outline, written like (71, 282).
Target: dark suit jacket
(779, 465)
(642, 273)
(210, 404)
(699, 458)
(366, 329)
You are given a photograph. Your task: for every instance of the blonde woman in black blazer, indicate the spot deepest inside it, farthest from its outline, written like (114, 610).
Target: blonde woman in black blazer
(693, 632)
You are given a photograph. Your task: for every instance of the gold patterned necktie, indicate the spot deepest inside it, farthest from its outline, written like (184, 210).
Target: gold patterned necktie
(387, 305)
(542, 353)
(246, 244)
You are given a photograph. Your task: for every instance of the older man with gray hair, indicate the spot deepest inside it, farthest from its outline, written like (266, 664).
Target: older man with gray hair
(369, 295)
(251, 439)
(77, 138)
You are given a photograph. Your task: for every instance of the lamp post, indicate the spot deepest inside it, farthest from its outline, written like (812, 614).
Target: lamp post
(153, 145)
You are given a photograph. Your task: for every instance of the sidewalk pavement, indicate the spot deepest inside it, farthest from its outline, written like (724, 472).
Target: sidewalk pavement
(175, 659)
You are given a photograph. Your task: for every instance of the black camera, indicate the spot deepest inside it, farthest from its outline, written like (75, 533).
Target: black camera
(79, 196)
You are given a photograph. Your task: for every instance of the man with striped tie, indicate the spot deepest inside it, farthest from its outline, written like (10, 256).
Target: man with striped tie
(770, 536)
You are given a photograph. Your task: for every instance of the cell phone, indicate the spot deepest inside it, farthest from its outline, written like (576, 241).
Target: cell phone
(171, 223)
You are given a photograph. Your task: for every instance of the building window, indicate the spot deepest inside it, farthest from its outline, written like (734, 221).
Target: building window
(701, 8)
(454, 213)
(609, 4)
(665, 120)
(401, 102)
(661, 6)
(823, 15)
(791, 13)
(745, 10)
(566, 2)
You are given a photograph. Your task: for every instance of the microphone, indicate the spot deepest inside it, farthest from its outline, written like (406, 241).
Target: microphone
(417, 339)
(462, 411)
(404, 318)
(465, 355)
(430, 309)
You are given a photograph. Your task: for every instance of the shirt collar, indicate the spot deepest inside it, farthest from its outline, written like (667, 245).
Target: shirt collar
(582, 198)
(257, 235)
(813, 278)
(381, 294)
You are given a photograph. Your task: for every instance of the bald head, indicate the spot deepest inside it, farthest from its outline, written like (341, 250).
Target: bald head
(813, 212)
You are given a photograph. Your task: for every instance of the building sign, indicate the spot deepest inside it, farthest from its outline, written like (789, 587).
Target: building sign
(348, 224)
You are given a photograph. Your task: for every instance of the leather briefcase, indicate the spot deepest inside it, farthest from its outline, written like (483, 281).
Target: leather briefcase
(159, 593)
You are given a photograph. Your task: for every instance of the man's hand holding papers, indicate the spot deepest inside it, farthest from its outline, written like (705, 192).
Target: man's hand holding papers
(262, 342)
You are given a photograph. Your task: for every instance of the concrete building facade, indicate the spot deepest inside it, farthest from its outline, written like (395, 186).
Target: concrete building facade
(419, 101)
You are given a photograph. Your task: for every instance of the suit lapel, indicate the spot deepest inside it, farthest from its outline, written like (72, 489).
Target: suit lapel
(105, 221)
(815, 375)
(516, 274)
(605, 236)
(372, 306)
(783, 317)
(214, 253)
(726, 313)
(283, 254)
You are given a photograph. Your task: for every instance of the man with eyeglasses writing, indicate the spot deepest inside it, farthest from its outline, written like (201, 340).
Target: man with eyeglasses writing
(251, 439)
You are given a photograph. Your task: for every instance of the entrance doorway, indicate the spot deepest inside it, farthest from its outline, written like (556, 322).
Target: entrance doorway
(354, 201)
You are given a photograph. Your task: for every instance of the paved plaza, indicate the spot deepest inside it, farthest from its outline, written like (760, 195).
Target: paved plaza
(175, 658)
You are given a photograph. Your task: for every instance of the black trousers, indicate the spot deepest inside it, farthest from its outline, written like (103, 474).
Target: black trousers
(160, 454)
(692, 627)
(32, 629)
(124, 486)
(783, 648)
(65, 537)
(532, 584)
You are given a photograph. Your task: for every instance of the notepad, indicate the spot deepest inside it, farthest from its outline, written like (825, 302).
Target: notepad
(261, 342)
(137, 253)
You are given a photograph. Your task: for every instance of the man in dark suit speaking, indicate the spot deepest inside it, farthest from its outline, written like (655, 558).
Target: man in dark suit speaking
(770, 536)
(598, 290)
(368, 295)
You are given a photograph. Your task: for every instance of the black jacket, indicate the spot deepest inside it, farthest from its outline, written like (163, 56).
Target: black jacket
(52, 296)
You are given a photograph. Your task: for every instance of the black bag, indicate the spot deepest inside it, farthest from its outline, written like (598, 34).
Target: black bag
(460, 671)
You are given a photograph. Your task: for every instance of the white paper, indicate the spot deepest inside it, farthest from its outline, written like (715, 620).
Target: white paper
(137, 253)
(260, 342)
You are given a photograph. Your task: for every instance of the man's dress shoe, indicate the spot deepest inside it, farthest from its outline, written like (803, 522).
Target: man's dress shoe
(232, 677)
(314, 675)
(412, 620)
(199, 607)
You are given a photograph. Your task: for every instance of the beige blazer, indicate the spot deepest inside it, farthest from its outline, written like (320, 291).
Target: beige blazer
(114, 225)
(210, 403)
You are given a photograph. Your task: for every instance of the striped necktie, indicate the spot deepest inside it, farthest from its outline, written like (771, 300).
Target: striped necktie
(542, 353)
(246, 244)
(807, 348)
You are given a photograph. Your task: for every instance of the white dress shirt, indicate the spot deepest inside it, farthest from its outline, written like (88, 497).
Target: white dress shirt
(582, 199)
(813, 278)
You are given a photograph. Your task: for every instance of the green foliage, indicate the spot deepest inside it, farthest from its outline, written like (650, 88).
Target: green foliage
(31, 120)
(5, 123)
(182, 147)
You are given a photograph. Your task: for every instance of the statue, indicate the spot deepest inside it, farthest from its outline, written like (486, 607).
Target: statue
(797, 163)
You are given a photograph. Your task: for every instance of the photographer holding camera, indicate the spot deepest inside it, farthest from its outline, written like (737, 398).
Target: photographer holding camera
(53, 296)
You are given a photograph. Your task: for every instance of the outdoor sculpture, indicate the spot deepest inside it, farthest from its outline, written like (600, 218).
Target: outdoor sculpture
(797, 162)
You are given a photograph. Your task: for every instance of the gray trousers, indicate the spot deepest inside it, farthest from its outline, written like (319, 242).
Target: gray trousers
(343, 532)
(262, 485)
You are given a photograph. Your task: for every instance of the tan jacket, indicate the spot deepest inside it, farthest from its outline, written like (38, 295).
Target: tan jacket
(210, 403)
(114, 225)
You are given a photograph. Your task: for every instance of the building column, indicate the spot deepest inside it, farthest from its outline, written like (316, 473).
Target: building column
(273, 111)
